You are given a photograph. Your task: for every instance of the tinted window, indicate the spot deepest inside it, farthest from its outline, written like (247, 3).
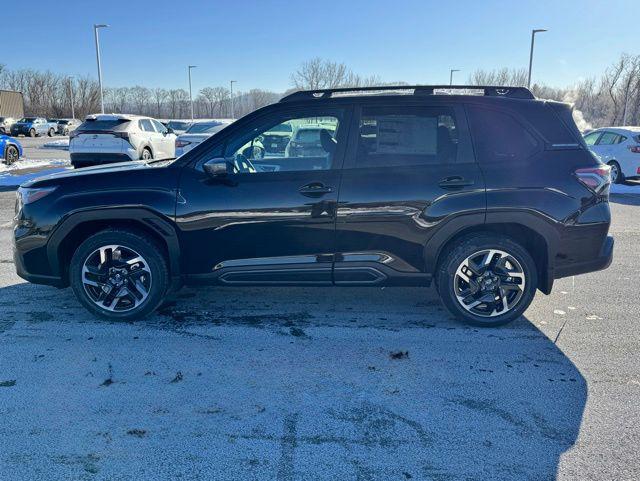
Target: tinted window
(621, 138)
(406, 136)
(608, 138)
(115, 124)
(592, 138)
(178, 125)
(499, 137)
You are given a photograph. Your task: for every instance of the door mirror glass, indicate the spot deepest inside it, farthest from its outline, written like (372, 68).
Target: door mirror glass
(217, 167)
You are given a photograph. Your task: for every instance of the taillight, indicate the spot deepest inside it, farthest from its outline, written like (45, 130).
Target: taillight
(598, 179)
(635, 149)
(181, 143)
(121, 135)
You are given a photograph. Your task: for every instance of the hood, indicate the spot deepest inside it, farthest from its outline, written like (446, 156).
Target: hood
(98, 169)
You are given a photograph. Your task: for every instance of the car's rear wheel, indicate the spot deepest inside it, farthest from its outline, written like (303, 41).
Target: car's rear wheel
(146, 154)
(617, 177)
(487, 280)
(119, 274)
(11, 154)
(32, 132)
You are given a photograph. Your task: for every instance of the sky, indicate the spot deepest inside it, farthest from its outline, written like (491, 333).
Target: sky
(260, 43)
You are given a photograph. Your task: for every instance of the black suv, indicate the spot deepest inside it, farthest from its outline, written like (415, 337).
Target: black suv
(486, 191)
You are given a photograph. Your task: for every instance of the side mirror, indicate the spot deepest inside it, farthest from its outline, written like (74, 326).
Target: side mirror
(217, 168)
(168, 131)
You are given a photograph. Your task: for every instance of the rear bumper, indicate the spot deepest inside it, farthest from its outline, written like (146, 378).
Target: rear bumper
(602, 261)
(87, 159)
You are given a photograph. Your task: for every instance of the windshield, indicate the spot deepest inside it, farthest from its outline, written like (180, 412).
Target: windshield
(28, 119)
(63, 122)
(205, 128)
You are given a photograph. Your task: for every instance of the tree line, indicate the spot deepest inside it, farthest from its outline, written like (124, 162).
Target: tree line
(612, 98)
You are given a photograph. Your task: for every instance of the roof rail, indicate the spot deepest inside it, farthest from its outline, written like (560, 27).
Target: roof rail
(488, 90)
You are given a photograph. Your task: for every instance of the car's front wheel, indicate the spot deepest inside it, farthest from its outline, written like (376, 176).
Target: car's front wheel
(51, 133)
(32, 132)
(11, 154)
(146, 154)
(119, 274)
(487, 280)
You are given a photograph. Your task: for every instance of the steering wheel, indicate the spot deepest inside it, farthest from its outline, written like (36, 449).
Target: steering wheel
(243, 164)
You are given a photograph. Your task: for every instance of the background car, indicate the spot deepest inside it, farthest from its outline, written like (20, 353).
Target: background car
(10, 148)
(5, 124)
(619, 147)
(33, 127)
(306, 141)
(65, 126)
(275, 141)
(177, 126)
(110, 138)
(195, 134)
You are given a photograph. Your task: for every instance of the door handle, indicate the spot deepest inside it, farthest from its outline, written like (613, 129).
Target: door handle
(315, 189)
(455, 182)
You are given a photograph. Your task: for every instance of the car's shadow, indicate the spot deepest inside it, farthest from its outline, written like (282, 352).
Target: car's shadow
(464, 403)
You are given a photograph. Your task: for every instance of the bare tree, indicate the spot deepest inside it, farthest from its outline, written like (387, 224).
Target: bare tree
(159, 96)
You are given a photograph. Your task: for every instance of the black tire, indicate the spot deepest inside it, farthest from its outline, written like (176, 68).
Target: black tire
(2, 131)
(32, 133)
(620, 177)
(467, 246)
(51, 133)
(146, 154)
(137, 241)
(11, 154)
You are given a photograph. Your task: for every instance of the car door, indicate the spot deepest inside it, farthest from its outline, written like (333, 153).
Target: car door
(271, 220)
(152, 138)
(409, 173)
(168, 141)
(604, 145)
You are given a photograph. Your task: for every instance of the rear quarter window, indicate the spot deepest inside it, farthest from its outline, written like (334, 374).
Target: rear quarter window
(499, 136)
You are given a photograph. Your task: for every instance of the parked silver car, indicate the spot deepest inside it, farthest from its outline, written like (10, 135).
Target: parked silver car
(67, 125)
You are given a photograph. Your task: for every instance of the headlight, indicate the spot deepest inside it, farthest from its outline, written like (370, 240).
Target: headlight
(30, 195)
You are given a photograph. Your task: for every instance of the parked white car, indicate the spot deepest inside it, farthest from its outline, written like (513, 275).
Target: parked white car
(197, 133)
(109, 138)
(618, 147)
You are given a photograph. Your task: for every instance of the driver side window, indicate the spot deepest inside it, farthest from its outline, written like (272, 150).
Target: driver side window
(287, 143)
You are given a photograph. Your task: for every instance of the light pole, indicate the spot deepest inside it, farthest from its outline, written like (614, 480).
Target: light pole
(533, 38)
(232, 109)
(95, 32)
(190, 97)
(73, 112)
(451, 75)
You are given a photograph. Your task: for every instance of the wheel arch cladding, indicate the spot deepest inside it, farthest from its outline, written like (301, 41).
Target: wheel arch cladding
(74, 230)
(536, 244)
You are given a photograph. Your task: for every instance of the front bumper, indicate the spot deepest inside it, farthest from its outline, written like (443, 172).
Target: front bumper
(602, 261)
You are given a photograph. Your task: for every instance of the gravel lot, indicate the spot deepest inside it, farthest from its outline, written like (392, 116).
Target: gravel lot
(301, 384)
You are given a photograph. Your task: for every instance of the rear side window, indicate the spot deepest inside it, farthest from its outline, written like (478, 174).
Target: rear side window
(591, 138)
(499, 137)
(406, 135)
(106, 125)
(608, 138)
(145, 125)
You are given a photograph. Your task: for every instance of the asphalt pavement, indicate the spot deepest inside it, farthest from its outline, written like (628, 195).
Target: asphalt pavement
(324, 383)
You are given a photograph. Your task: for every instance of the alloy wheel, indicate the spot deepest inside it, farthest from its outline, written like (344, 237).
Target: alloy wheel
(116, 278)
(489, 283)
(12, 155)
(614, 173)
